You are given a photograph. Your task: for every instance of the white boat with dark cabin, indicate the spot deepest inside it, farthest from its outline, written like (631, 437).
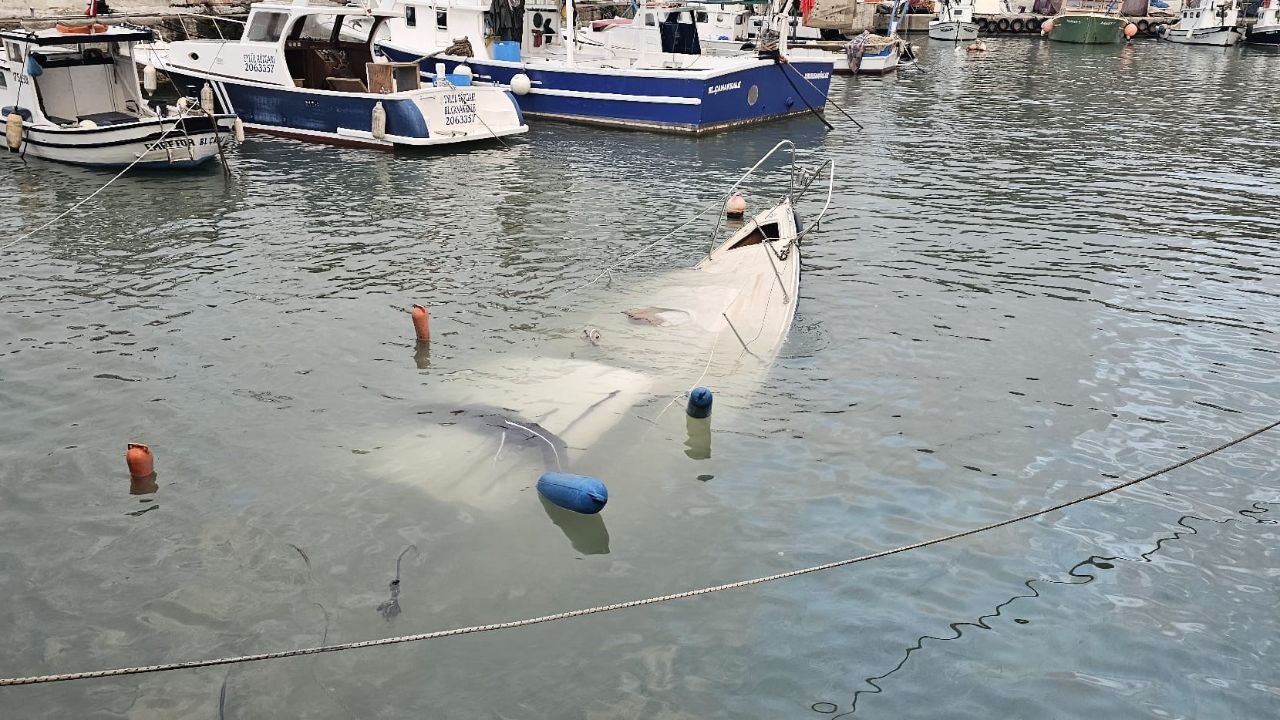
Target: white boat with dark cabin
(298, 72)
(1266, 30)
(955, 22)
(1205, 22)
(70, 93)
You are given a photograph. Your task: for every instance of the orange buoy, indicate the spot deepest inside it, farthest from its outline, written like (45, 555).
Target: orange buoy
(736, 206)
(422, 323)
(1130, 30)
(1047, 26)
(140, 462)
(91, 28)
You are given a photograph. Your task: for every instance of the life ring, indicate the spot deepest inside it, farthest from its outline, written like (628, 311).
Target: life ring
(1143, 26)
(1016, 25)
(90, 29)
(1002, 25)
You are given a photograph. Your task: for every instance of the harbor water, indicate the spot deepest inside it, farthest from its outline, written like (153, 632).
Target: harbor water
(1044, 270)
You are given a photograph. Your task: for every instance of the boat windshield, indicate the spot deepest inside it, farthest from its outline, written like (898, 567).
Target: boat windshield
(323, 52)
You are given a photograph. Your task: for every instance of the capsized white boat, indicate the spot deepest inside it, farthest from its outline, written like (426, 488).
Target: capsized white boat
(488, 432)
(71, 94)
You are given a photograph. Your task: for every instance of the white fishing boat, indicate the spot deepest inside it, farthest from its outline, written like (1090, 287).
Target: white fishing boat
(71, 94)
(1205, 22)
(295, 72)
(648, 74)
(955, 22)
(1266, 30)
(489, 431)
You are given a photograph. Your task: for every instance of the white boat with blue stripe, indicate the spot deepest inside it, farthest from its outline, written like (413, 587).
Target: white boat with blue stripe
(658, 79)
(297, 71)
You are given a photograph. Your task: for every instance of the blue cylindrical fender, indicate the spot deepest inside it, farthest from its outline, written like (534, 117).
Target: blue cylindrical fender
(578, 493)
(699, 403)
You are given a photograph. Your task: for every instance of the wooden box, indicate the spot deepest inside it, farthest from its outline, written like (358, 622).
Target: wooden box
(393, 77)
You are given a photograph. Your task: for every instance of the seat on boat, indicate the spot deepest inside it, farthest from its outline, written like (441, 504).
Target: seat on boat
(110, 118)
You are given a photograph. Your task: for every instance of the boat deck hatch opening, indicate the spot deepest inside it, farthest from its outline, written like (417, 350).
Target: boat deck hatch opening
(768, 231)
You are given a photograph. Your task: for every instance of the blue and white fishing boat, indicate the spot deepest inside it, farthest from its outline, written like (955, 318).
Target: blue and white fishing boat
(70, 94)
(297, 71)
(658, 79)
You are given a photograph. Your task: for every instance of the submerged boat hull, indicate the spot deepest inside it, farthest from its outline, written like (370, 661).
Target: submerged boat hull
(152, 143)
(669, 100)
(1088, 29)
(953, 30)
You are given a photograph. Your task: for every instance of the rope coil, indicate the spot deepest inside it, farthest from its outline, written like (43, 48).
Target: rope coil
(191, 664)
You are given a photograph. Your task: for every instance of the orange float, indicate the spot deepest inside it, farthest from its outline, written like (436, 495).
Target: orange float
(422, 323)
(141, 464)
(90, 29)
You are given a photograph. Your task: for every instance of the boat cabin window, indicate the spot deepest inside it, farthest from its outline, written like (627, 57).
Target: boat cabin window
(410, 16)
(648, 20)
(702, 17)
(320, 58)
(266, 27)
(14, 50)
(679, 34)
(442, 19)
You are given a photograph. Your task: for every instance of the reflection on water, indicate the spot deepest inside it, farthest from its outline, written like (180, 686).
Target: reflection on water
(1043, 268)
(1079, 574)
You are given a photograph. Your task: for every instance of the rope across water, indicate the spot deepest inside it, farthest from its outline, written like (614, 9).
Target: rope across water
(164, 667)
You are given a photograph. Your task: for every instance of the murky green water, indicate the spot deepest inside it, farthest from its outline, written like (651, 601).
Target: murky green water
(1043, 269)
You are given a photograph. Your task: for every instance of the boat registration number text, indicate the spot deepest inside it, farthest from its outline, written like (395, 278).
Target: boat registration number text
(259, 62)
(459, 109)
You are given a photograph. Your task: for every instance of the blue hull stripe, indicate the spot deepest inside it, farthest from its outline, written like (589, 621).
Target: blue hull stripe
(301, 110)
(721, 101)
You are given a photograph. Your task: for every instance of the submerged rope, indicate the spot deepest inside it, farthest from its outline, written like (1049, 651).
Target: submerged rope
(163, 667)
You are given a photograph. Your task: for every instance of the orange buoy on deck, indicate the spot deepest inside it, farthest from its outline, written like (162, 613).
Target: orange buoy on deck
(141, 464)
(422, 323)
(86, 29)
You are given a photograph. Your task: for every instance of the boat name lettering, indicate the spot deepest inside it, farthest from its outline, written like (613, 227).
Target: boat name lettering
(177, 143)
(735, 85)
(816, 76)
(259, 62)
(456, 98)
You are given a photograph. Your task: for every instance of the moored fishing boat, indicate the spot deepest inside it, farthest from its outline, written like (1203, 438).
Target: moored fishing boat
(71, 94)
(1205, 22)
(1088, 22)
(955, 22)
(1266, 30)
(294, 72)
(649, 74)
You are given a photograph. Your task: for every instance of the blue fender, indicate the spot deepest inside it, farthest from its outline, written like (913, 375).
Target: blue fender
(578, 493)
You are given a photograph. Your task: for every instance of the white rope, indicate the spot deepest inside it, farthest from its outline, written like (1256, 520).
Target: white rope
(94, 194)
(164, 667)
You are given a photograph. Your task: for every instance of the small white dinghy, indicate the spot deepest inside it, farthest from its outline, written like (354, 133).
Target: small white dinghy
(489, 430)
(70, 93)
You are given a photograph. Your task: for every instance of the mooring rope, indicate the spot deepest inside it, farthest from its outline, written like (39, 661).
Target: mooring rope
(191, 664)
(178, 123)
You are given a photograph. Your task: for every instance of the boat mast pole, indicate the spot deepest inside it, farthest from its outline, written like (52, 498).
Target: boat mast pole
(573, 29)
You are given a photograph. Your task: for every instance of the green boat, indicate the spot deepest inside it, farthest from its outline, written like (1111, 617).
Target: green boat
(1088, 23)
